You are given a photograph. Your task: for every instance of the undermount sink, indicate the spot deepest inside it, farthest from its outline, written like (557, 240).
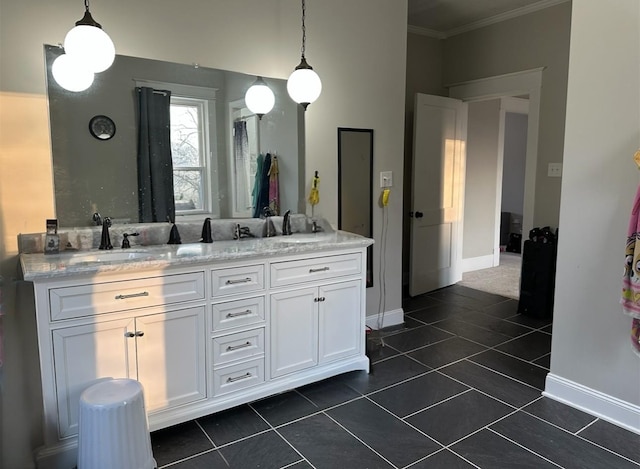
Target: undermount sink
(107, 256)
(301, 238)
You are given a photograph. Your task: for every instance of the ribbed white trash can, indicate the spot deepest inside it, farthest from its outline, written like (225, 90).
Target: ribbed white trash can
(113, 430)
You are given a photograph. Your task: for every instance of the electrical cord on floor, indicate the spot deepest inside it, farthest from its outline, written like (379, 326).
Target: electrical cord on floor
(383, 261)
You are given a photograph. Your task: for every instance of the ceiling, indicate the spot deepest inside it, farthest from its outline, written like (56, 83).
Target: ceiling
(443, 18)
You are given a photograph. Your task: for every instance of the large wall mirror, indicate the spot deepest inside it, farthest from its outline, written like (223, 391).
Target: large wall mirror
(355, 186)
(93, 174)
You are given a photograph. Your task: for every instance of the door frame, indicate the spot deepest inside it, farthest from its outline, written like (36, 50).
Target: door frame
(508, 104)
(526, 82)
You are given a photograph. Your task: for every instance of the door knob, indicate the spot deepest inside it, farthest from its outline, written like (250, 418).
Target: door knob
(419, 214)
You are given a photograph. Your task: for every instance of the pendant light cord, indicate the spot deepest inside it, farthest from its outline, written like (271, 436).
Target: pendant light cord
(86, 5)
(304, 29)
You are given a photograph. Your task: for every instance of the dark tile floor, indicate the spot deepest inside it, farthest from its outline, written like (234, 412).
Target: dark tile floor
(458, 386)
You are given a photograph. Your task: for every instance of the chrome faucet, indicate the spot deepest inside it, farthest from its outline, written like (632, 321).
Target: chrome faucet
(105, 239)
(286, 223)
(315, 228)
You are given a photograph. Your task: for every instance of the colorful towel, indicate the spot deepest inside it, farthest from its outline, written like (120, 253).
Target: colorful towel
(274, 189)
(631, 282)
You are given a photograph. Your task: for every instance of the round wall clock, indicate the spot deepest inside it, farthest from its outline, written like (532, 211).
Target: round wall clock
(102, 127)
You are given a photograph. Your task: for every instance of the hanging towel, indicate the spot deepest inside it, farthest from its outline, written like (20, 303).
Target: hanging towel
(263, 194)
(274, 189)
(631, 282)
(257, 186)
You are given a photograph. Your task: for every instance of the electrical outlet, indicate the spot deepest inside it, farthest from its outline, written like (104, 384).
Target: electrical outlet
(554, 170)
(386, 179)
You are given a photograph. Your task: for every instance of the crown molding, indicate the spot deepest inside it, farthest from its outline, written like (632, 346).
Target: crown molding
(541, 5)
(426, 32)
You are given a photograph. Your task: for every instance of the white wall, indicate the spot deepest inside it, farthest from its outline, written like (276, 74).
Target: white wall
(361, 58)
(539, 39)
(592, 363)
(513, 165)
(480, 181)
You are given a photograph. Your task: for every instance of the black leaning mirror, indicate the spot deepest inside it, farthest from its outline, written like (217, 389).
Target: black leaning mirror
(355, 186)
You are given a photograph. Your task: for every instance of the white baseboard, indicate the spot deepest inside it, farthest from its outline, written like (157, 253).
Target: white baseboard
(476, 263)
(593, 402)
(391, 318)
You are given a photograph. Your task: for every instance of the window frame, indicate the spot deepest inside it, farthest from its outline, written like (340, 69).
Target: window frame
(209, 152)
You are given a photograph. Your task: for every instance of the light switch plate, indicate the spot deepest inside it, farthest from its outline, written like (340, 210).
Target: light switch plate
(386, 178)
(554, 170)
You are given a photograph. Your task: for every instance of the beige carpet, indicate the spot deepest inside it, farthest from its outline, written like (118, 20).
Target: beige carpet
(502, 280)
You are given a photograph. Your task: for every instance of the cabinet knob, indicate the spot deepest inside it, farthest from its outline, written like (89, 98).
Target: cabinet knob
(129, 334)
(139, 333)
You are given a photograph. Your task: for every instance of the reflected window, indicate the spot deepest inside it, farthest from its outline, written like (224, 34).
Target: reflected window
(189, 143)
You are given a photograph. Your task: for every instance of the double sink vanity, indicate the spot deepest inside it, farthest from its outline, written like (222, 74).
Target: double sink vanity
(203, 326)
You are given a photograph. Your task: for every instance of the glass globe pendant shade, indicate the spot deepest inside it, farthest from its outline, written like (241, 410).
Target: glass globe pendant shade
(92, 46)
(259, 98)
(70, 73)
(304, 85)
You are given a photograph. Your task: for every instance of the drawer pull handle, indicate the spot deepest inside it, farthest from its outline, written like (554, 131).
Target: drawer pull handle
(132, 295)
(231, 348)
(242, 280)
(321, 298)
(321, 269)
(241, 313)
(238, 378)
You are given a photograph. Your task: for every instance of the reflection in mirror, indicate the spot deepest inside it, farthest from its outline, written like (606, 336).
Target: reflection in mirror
(213, 176)
(355, 188)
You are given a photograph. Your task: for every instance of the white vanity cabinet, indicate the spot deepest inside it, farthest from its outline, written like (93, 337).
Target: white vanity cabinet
(164, 351)
(125, 329)
(320, 319)
(202, 335)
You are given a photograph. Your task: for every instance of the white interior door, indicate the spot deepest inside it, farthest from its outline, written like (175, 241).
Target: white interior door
(439, 137)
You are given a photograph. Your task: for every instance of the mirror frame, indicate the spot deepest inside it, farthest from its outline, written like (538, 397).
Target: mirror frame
(364, 187)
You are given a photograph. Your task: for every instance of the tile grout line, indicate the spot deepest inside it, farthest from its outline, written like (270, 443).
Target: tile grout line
(360, 440)
(281, 436)
(438, 452)
(500, 435)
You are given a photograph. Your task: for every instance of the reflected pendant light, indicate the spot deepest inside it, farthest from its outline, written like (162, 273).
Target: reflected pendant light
(259, 98)
(90, 44)
(69, 73)
(304, 85)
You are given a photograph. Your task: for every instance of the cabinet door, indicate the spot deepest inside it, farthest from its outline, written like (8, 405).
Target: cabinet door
(84, 354)
(294, 331)
(341, 328)
(171, 357)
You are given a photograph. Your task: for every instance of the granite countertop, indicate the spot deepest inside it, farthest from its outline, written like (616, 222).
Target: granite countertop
(49, 266)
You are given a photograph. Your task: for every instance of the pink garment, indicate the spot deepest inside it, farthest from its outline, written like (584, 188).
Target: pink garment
(274, 190)
(630, 299)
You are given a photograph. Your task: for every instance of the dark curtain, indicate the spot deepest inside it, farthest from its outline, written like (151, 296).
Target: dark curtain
(155, 167)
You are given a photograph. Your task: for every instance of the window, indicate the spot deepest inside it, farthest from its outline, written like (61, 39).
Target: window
(189, 144)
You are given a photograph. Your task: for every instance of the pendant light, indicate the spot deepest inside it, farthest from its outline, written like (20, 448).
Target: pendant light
(89, 43)
(69, 73)
(259, 98)
(304, 85)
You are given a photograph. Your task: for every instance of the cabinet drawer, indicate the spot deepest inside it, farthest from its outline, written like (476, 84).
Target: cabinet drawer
(237, 280)
(236, 377)
(110, 297)
(240, 346)
(237, 313)
(290, 272)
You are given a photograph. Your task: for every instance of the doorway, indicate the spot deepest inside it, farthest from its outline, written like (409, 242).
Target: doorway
(526, 83)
